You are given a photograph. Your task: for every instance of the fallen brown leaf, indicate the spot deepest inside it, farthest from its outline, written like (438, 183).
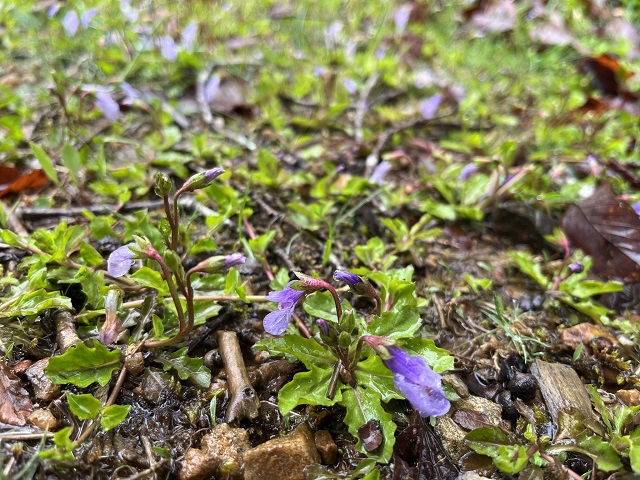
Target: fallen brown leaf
(15, 405)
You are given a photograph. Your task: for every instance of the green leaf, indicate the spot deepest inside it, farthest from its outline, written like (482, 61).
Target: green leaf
(307, 350)
(360, 412)
(307, 388)
(63, 449)
(634, 450)
(507, 455)
(114, 415)
(529, 266)
(438, 358)
(85, 406)
(321, 305)
(90, 255)
(398, 323)
(600, 451)
(45, 162)
(82, 365)
(34, 302)
(152, 279)
(372, 373)
(71, 159)
(186, 367)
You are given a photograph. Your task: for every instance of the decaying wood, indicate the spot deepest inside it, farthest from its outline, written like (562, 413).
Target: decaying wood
(244, 402)
(66, 335)
(562, 389)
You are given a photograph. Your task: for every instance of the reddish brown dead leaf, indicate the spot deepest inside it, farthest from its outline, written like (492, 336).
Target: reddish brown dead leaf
(12, 181)
(609, 231)
(15, 405)
(584, 333)
(607, 74)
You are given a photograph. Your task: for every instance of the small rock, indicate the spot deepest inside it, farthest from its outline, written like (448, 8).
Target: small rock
(456, 382)
(227, 445)
(584, 333)
(43, 388)
(326, 446)
(630, 398)
(282, 458)
(197, 465)
(43, 419)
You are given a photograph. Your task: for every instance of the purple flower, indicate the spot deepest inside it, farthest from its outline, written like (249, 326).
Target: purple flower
(350, 86)
(86, 17)
(120, 261)
(575, 268)
(70, 23)
(211, 88)
(168, 48)
(131, 93)
(380, 172)
(429, 107)
(189, 35)
(52, 10)
(636, 206)
(413, 377)
(130, 13)
(468, 170)
(233, 260)
(318, 71)
(349, 278)
(331, 35)
(401, 17)
(276, 322)
(107, 105)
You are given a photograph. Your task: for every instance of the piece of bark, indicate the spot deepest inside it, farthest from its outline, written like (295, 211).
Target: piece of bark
(66, 335)
(244, 402)
(562, 389)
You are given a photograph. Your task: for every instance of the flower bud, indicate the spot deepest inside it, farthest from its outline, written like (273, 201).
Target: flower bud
(575, 268)
(201, 180)
(164, 185)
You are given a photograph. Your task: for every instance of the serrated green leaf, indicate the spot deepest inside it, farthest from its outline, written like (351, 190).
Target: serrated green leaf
(360, 411)
(186, 367)
(507, 455)
(439, 359)
(600, 451)
(85, 406)
(82, 365)
(398, 323)
(307, 350)
(152, 279)
(372, 373)
(45, 162)
(307, 388)
(34, 302)
(114, 415)
(321, 305)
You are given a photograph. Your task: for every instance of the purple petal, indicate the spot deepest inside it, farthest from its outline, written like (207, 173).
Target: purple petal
(287, 297)
(349, 278)
(575, 268)
(130, 13)
(468, 170)
(331, 35)
(350, 85)
(189, 35)
(70, 23)
(429, 107)
(53, 9)
(275, 323)
(131, 93)
(107, 105)
(636, 206)
(401, 17)
(211, 88)
(233, 260)
(120, 261)
(318, 71)
(168, 48)
(86, 17)
(380, 172)
(417, 382)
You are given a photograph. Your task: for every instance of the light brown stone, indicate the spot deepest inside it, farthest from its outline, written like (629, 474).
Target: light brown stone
(326, 446)
(227, 445)
(43, 419)
(630, 398)
(197, 465)
(44, 389)
(283, 458)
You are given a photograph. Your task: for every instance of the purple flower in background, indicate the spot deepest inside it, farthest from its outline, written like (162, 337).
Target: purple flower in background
(412, 376)
(189, 35)
(277, 322)
(233, 260)
(318, 71)
(53, 9)
(70, 23)
(211, 88)
(107, 105)
(349, 278)
(468, 170)
(86, 17)
(331, 35)
(429, 107)
(380, 52)
(350, 85)
(131, 93)
(575, 268)
(130, 13)
(380, 172)
(168, 48)
(401, 17)
(636, 206)
(120, 261)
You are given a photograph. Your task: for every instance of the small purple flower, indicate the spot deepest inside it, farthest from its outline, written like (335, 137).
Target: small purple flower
(86, 17)
(70, 23)
(380, 53)
(318, 71)
(200, 180)
(120, 261)
(131, 93)
(636, 206)
(211, 88)
(401, 17)
(130, 13)
(275, 323)
(52, 10)
(324, 326)
(189, 35)
(168, 48)
(350, 86)
(379, 173)
(349, 278)
(233, 260)
(331, 35)
(575, 268)
(429, 107)
(413, 377)
(468, 170)
(107, 105)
